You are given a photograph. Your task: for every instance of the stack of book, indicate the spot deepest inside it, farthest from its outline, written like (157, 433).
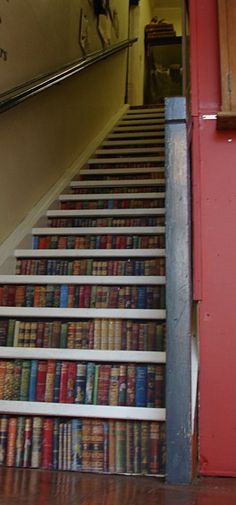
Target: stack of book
(82, 366)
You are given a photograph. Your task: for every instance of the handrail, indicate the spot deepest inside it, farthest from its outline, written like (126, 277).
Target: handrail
(18, 94)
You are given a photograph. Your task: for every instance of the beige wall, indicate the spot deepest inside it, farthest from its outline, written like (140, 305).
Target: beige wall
(139, 17)
(41, 138)
(171, 15)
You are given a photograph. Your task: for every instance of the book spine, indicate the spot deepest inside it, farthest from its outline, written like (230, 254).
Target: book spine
(36, 442)
(11, 441)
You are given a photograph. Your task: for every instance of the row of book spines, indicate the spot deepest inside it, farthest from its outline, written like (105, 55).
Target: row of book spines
(131, 164)
(107, 241)
(114, 190)
(113, 203)
(83, 445)
(85, 296)
(89, 222)
(82, 383)
(90, 266)
(110, 334)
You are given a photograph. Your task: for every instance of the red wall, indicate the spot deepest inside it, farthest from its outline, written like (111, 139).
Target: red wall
(214, 222)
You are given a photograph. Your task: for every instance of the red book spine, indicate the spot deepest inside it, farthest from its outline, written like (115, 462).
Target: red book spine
(103, 384)
(41, 381)
(11, 441)
(47, 445)
(71, 378)
(63, 382)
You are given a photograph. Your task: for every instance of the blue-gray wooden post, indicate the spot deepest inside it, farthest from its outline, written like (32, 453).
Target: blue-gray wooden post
(178, 294)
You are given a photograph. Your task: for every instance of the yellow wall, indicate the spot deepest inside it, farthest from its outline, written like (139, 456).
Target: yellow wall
(41, 138)
(140, 16)
(171, 15)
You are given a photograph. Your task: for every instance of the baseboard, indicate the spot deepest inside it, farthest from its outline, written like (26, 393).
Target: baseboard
(21, 236)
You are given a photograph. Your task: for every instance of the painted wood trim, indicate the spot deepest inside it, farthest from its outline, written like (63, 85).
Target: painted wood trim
(139, 280)
(178, 294)
(73, 410)
(83, 355)
(153, 314)
(89, 253)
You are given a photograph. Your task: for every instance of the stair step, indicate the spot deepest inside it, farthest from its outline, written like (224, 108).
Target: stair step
(110, 196)
(116, 143)
(144, 122)
(108, 230)
(133, 128)
(90, 253)
(84, 279)
(81, 410)
(122, 160)
(133, 150)
(145, 115)
(52, 312)
(145, 110)
(127, 170)
(153, 211)
(157, 133)
(117, 183)
(83, 354)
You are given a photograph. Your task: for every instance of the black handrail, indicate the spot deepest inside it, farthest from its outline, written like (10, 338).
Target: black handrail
(18, 94)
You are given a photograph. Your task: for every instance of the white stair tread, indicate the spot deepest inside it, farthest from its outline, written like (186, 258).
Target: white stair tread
(143, 128)
(106, 212)
(83, 355)
(116, 143)
(117, 160)
(118, 183)
(111, 230)
(77, 410)
(126, 170)
(52, 312)
(130, 150)
(84, 279)
(89, 253)
(111, 196)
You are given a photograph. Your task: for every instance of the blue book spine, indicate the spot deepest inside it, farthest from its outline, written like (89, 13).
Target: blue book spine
(35, 242)
(80, 383)
(76, 435)
(64, 296)
(89, 383)
(105, 446)
(141, 386)
(57, 382)
(33, 380)
(141, 302)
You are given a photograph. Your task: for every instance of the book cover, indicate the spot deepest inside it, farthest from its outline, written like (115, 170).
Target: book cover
(47, 444)
(36, 442)
(80, 383)
(27, 442)
(41, 381)
(103, 384)
(89, 383)
(141, 386)
(76, 458)
(33, 380)
(97, 441)
(153, 452)
(11, 441)
(120, 446)
(20, 441)
(49, 381)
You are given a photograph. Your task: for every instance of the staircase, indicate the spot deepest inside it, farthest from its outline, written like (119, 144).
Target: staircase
(82, 328)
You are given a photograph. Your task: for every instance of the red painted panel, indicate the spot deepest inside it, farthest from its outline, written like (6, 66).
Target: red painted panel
(214, 223)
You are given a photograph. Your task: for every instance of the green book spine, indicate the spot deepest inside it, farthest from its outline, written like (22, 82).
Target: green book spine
(95, 386)
(121, 446)
(10, 332)
(25, 378)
